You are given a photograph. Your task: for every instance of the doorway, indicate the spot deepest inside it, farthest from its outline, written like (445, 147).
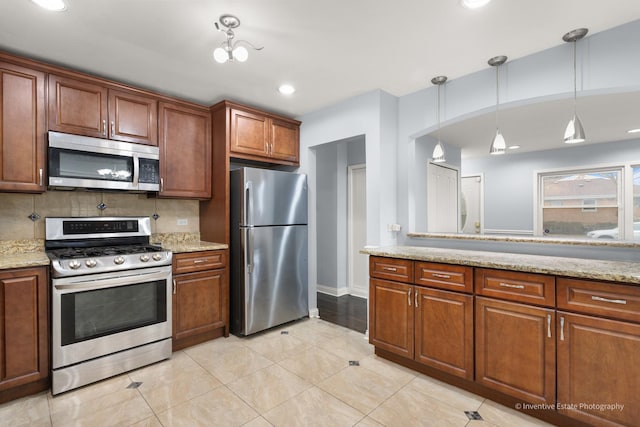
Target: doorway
(471, 220)
(442, 199)
(357, 228)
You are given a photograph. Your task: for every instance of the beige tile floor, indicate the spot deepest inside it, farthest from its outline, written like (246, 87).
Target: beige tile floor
(298, 378)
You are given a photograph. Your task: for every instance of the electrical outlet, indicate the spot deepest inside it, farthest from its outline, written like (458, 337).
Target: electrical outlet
(183, 221)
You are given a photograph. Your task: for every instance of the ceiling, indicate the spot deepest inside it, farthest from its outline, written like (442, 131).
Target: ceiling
(330, 50)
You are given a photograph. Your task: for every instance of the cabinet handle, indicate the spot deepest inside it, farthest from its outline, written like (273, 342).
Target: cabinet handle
(40, 172)
(409, 298)
(613, 301)
(389, 269)
(174, 286)
(198, 261)
(562, 329)
(509, 285)
(441, 276)
(161, 185)
(415, 296)
(548, 326)
(113, 128)
(104, 127)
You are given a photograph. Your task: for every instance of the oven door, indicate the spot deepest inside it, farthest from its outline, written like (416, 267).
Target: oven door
(96, 315)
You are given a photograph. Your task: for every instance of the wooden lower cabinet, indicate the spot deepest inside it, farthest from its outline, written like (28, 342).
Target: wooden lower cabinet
(200, 298)
(597, 366)
(391, 318)
(24, 332)
(516, 349)
(444, 331)
(430, 326)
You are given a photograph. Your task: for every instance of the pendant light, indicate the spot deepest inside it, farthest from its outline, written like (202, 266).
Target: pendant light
(574, 133)
(498, 145)
(438, 150)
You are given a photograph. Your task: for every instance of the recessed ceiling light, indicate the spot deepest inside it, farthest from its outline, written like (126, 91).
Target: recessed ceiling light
(513, 147)
(637, 130)
(54, 5)
(474, 4)
(286, 89)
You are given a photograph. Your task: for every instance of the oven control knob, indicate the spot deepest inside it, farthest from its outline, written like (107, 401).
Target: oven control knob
(118, 260)
(74, 264)
(157, 257)
(91, 263)
(144, 258)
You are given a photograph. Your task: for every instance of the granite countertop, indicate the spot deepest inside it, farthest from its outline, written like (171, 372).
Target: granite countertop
(528, 239)
(195, 246)
(618, 271)
(20, 260)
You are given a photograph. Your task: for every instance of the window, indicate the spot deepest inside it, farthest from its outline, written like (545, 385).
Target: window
(636, 202)
(582, 203)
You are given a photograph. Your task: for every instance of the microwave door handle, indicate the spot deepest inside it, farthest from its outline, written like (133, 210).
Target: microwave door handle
(136, 170)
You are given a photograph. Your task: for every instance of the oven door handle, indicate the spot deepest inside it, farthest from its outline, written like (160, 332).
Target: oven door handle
(101, 283)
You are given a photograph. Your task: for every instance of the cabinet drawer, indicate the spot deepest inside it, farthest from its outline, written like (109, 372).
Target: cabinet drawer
(529, 288)
(444, 276)
(399, 270)
(199, 261)
(599, 298)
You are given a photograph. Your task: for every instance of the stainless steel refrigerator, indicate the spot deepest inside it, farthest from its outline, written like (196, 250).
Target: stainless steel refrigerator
(269, 284)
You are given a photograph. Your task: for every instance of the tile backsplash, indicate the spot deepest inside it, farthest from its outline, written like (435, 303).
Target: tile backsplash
(15, 209)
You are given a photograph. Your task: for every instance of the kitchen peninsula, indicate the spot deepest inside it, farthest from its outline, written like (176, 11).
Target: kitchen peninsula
(557, 336)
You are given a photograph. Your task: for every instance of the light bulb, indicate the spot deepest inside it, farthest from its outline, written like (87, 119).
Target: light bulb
(286, 89)
(220, 55)
(240, 53)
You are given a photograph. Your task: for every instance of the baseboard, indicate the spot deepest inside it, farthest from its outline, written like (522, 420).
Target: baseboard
(314, 313)
(364, 295)
(329, 290)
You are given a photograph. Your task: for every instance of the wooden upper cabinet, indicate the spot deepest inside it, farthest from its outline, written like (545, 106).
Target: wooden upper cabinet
(261, 136)
(22, 129)
(91, 109)
(248, 133)
(133, 117)
(185, 151)
(77, 107)
(284, 137)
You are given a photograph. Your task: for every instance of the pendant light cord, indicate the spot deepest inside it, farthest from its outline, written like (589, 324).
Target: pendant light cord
(575, 78)
(438, 113)
(497, 96)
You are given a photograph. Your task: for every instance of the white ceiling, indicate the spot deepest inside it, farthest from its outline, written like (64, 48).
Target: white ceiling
(330, 50)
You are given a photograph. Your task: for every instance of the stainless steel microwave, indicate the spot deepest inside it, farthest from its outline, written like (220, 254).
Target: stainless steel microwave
(94, 163)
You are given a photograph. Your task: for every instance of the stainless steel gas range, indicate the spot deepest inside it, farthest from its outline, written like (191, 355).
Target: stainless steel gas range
(111, 298)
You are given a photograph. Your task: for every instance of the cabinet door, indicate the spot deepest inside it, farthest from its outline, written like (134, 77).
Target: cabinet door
(24, 355)
(248, 133)
(284, 140)
(516, 350)
(133, 117)
(598, 365)
(444, 331)
(199, 303)
(391, 322)
(185, 152)
(77, 107)
(22, 129)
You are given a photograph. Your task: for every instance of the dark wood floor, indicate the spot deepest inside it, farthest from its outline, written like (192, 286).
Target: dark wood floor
(347, 311)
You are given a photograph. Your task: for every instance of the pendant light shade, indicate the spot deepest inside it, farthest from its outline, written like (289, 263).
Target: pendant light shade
(438, 155)
(574, 133)
(498, 145)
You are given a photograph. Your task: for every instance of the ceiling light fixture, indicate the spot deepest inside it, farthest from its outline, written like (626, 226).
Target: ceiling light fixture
(286, 89)
(637, 130)
(574, 133)
(498, 145)
(438, 150)
(53, 5)
(231, 50)
(513, 147)
(474, 4)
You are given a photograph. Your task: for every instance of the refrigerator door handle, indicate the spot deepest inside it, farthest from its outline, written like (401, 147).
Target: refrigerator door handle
(249, 255)
(248, 203)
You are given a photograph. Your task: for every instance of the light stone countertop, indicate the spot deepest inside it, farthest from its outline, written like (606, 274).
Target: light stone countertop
(528, 239)
(618, 271)
(20, 260)
(198, 246)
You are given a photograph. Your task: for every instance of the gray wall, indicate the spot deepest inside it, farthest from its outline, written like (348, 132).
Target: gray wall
(509, 182)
